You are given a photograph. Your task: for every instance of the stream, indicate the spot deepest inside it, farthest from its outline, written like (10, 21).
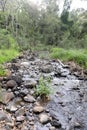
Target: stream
(21, 110)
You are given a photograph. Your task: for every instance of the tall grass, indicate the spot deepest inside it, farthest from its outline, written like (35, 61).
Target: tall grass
(5, 56)
(78, 56)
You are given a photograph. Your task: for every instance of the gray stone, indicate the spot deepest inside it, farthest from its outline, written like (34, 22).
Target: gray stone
(11, 108)
(25, 64)
(30, 84)
(24, 92)
(47, 68)
(52, 128)
(20, 118)
(3, 116)
(44, 118)
(29, 98)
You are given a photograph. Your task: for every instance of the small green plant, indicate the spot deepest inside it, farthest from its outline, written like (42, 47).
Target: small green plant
(2, 71)
(43, 88)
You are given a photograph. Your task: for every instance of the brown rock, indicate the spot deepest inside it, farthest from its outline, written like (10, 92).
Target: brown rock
(38, 109)
(6, 97)
(11, 84)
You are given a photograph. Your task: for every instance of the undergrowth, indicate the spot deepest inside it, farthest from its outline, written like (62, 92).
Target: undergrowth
(5, 56)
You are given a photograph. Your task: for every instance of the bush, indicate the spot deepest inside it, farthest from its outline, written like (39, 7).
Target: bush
(6, 40)
(43, 88)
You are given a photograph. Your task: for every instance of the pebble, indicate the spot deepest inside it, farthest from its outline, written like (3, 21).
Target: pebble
(29, 98)
(38, 109)
(44, 118)
(20, 118)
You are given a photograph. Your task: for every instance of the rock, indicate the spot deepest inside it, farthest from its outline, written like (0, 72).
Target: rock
(29, 98)
(11, 108)
(20, 118)
(2, 128)
(24, 92)
(20, 112)
(11, 84)
(1, 79)
(44, 118)
(40, 127)
(25, 64)
(77, 125)
(38, 109)
(7, 96)
(15, 66)
(24, 128)
(31, 123)
(17, 79)
(52, 128)
(56, 123)
(30, 84)
(3, 116)
(47, 69)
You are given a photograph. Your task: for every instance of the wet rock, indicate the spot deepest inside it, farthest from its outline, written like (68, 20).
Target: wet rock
(38, 109)
(30, 84)
(77, 125)
(20, 118)
(17, 79)
(11, 108)
(24, 92)
(24, 128)
(25, 64)
(11, 84)
(31, 123)
(47, 68)
(44, 118)
(39, 127)
(52, 128)
(60, 72)
(6, 97)
(15, 66)
(3, 116)
(20, 112)
(29, 98)
(56, 123)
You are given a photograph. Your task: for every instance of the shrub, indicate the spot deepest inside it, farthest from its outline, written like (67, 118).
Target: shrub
(43, 88)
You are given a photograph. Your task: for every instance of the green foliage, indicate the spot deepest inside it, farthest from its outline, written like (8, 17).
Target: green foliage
(43, 88)
(2, 71)
(78, 56)
(7, 40)
(7, 55)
